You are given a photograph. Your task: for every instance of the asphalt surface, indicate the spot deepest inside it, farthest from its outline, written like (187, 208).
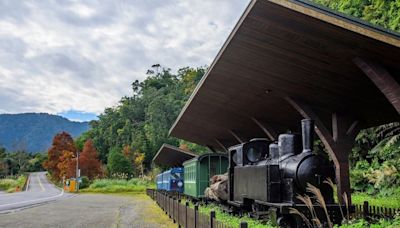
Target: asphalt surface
(39, 191)
(91, 210)
(44, 205)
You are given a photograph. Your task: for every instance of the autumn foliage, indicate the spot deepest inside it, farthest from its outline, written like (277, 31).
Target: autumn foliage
(135, 158)
(89, 163)
(61, 160)
(67, 164)
(60, 156)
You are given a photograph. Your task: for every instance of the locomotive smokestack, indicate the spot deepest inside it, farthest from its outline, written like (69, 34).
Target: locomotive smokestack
(307, 132)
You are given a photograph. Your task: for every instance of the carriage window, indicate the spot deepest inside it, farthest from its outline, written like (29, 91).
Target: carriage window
(214, 163)
(175, 175)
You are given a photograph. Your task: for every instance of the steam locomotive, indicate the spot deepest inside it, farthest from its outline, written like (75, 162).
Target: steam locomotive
(266, 178)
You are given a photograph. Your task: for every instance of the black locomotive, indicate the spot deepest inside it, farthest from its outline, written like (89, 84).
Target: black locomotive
(265, 177)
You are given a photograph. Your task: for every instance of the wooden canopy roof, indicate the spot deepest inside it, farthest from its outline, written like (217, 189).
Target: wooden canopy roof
(282, 51)
(172, 156)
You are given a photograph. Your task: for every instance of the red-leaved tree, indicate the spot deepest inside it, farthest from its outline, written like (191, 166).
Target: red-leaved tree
(89, 163)
(67, 164)
(62, 142)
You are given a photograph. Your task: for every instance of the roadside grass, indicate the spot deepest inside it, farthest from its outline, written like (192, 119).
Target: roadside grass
(228, 219)
(10, 184)
(133, 185)
(392, 201)
(361, 223)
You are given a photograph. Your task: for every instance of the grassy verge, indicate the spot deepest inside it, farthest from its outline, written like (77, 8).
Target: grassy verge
(381, 223)
(118, 186)
(10, 184)
(229, 219)
(392, 201)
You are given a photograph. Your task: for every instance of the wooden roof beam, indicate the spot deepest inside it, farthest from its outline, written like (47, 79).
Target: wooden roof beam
(382, 79)
(220, 144)
(266, 128)
(236, 136)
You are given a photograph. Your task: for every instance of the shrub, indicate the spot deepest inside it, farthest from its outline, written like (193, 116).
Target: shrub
(119, 185)
(10, 184)
(85, 182)
(117, 162)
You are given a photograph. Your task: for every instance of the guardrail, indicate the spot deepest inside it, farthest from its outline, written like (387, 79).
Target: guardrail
(186, 216)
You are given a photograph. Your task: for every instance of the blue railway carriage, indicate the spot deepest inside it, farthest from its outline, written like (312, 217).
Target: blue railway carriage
(171, 180)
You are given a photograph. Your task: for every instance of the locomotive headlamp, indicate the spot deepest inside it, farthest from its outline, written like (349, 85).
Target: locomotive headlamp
(253, 154)
(234, 157)
(180, 184)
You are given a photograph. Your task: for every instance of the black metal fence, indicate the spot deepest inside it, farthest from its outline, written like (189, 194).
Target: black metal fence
(184, 215)
(367, 211)
(191, 218)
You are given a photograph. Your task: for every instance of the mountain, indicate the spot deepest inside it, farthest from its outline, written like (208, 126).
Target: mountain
(34, 132)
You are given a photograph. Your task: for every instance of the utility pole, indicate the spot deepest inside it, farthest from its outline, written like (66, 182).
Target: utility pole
(77, 171)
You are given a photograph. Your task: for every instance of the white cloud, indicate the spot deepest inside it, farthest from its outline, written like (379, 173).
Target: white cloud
(57, 56)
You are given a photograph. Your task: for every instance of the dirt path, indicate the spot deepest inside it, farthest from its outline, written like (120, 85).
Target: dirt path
(92, 210)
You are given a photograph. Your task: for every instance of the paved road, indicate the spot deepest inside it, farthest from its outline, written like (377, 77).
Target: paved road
(39, 191)
(92, 210)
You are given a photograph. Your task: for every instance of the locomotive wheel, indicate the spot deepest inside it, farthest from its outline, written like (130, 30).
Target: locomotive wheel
(286, 221)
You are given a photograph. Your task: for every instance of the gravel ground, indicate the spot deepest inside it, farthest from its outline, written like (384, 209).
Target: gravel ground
(91, 210)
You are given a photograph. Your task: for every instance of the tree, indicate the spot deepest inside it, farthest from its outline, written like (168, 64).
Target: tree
(67, 165)
(3, 154)
(89, 163)
(138, 161)
(117, 163)
(378, 12)
(62, 143)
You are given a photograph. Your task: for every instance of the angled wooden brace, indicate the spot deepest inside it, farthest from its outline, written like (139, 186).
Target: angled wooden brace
(236, 136)
(338, 142)
(382, 79)
(220, 144)
(267, 129)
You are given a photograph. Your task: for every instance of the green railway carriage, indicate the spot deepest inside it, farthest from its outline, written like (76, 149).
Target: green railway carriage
(199, 170)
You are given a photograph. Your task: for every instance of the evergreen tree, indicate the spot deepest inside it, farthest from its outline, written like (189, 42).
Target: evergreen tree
(118, 163)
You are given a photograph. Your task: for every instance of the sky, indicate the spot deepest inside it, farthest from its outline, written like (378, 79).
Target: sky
(75, 58)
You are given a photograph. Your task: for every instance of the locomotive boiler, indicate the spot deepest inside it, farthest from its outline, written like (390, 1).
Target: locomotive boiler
(265, 177)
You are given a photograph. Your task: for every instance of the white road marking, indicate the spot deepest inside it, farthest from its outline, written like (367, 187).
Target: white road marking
(40, 183)
(27, 183)
(29, 201)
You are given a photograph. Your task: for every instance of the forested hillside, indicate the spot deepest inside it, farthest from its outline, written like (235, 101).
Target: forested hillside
(33, 132)
(141, 121)
(385, 13)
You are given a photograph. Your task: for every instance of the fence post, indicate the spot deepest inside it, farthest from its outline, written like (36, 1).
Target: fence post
(196, 208)
(173, 209)
(243, 225)
(212, 216)
(365, 209)
(165, 203)
(169, 207)
(186, 213)
(179, 205)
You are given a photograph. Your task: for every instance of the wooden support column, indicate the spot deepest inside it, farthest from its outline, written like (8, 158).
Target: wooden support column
(338, 142)
(267, 129)
(382, 79)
